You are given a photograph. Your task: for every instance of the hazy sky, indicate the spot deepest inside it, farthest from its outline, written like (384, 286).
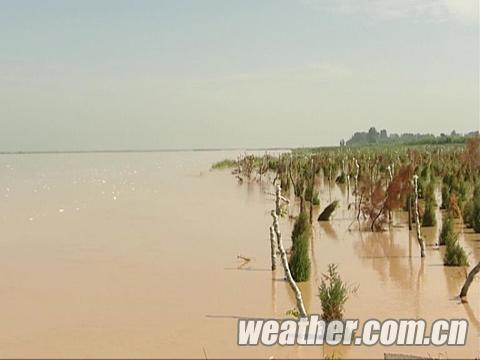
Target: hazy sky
(241, 73)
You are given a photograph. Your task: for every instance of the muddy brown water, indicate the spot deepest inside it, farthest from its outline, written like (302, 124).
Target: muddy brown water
(135, 255)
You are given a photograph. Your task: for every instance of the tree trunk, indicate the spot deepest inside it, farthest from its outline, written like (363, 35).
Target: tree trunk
(468, 281)
(420, 239)
(311, 212)
(283, 255)
(356, 180)
(409, 211)
(330, 182)
(377, 216)
(359, 207)
(348, 189)
(273, 248)
(313, 192)
(390, 173)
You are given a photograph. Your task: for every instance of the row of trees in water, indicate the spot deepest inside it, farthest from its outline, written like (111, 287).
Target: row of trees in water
(379, 181)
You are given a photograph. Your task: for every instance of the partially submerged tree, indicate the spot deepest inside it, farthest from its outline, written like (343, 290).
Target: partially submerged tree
(468, 282)
(420, 238)
(273, 248)
(246, 166)
(283, 254)
(328, 211)
(396, 194)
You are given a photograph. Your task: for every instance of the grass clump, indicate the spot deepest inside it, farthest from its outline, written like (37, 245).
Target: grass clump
(300, 261)
(454, 253)
(333, 294)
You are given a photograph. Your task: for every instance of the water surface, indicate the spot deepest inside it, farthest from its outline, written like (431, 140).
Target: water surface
(135, 255)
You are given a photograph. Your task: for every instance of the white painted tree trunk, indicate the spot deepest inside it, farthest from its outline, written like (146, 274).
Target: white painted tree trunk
(348, 178)
(283, 255)
(348, 183)
(356, 181)
(420, 239)
(273, 248)
(390, 174)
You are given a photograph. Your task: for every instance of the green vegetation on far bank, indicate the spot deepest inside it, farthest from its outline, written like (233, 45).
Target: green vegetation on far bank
(224, 164)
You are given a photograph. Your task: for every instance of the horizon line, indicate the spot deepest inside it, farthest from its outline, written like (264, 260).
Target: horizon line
(106, 151)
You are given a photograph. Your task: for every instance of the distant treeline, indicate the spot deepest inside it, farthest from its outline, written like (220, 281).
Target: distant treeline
(372, 136)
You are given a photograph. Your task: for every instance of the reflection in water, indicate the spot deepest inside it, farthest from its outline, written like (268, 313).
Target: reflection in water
(378, 246)
(274, 292)
(419, 287)
(328, 229)
(473, 320)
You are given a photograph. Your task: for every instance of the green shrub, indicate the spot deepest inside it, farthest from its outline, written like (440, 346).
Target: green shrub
(447, 232)
(301, 225)
(425, 173)
(462, 191)
(333, 294)
(429, 217)
(300, 260)
(467, 213)
(445, 196)
(454, 253)
(429, 194)
(475, 218)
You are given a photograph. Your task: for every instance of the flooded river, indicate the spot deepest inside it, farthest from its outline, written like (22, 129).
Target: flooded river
(136, 255)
